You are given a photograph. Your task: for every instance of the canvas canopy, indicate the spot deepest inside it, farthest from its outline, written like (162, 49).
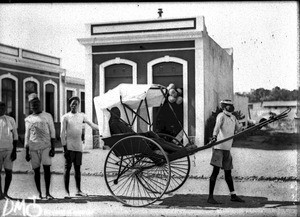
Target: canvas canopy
(129, 94)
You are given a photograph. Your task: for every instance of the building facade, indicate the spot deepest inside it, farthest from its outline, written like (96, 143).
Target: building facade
(297, 118)
(160, 51)
(23, 72)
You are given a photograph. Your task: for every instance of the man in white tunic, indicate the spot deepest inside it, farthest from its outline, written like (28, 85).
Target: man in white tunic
(39, 142)
(71, 139)
(226, 126)
(8, 148)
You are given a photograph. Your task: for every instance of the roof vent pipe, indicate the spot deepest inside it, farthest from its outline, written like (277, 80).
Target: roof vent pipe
(160, 12)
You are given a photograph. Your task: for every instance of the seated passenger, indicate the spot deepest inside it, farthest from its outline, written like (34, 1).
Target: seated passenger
(117, 126)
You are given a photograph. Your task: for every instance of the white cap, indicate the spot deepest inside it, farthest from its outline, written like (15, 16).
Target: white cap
(226, 101)
(32, 96)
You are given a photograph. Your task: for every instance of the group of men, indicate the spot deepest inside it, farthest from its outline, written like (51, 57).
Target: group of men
(39, 142)
(40, 146)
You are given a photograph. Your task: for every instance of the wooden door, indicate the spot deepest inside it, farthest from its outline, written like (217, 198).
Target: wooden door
(165, 73)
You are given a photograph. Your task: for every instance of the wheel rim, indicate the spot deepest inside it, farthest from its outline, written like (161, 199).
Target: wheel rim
(134, 173)
(180, 168)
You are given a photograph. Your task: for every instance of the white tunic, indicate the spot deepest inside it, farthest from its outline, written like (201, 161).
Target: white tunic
(71, 130)
(39, 129)
(226, 126)
(8, 132)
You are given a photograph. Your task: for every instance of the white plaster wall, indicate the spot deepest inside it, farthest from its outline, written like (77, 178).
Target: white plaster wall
(88, 95)
(199, 92)
(218, 75)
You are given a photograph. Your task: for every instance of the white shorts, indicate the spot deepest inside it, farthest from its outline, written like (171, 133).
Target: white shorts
(5, 160)
(39, 157)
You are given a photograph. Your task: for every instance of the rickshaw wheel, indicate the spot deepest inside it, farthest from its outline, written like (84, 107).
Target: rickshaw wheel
(180, 168)
(137, 171)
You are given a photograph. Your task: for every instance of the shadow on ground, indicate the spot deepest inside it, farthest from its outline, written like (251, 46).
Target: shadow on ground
(196, 200)
(181, 201)
(91, 198)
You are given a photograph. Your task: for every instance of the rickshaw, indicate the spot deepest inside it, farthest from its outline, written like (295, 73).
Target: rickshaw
(138, 170)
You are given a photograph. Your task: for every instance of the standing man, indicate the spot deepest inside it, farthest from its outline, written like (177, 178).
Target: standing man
(71, 139)
(226, 126)
(39, 142)
(8, 148)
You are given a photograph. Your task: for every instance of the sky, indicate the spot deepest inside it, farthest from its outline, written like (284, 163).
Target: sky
(264, 35)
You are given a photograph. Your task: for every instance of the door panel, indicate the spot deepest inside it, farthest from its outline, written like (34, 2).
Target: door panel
(116, 74)
(50, 99)
(165, 73)
(9, 96)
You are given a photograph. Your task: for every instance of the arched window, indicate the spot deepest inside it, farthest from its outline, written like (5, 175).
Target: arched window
(160, 70)
(116, 71)
(31, 85)
(9, 96)
(50, 98)
(116, 74)
(82, 101)
(112, 73)
(69, 93)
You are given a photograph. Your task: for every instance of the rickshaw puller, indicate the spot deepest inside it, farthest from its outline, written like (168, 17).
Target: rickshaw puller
(226, 126)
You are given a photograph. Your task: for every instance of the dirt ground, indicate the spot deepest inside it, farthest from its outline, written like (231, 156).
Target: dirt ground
(265, 175)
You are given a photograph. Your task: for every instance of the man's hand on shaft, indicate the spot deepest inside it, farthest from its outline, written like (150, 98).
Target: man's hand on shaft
(213, 139)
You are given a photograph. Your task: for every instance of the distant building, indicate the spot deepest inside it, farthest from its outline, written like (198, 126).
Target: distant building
(23, 72)
(262, 110)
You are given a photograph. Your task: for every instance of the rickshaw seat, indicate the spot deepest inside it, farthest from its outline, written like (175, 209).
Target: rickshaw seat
(110, 141)
(167, 146)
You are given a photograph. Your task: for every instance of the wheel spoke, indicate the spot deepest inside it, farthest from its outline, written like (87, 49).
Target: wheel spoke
(134, 174)
(180, 168)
